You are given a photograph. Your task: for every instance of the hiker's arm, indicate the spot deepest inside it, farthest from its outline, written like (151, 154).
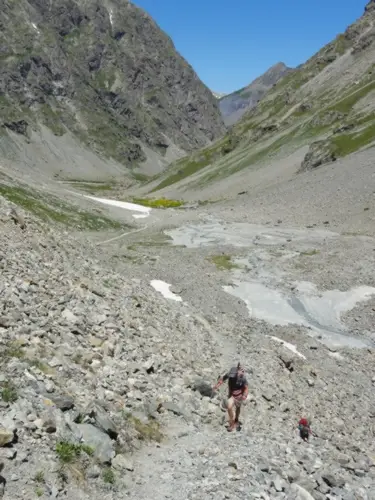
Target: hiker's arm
(245, 392)
(221, 381)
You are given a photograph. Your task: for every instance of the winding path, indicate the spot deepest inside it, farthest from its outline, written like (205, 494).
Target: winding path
(122, 235)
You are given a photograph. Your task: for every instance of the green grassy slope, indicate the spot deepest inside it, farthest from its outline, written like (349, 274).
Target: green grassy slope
(331, 96)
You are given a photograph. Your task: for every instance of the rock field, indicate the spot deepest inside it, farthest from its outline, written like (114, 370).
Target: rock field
(106, 385)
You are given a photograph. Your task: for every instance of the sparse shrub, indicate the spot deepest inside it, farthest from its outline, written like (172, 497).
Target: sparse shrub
(223, 262)
(69, 452)
(87, 449)
(310, 253)
(108, 476)
(40, 366)
(14, 350)
(9, 393)
(147, 431)
(39, 477)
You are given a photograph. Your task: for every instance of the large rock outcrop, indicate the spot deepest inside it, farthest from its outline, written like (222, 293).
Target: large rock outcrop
(319, 153)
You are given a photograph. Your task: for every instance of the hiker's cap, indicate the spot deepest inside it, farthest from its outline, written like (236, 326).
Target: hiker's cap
(240, 370)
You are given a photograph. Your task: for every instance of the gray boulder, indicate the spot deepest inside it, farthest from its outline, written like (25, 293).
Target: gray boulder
(101, 443)
(299, 493)
(102, 420)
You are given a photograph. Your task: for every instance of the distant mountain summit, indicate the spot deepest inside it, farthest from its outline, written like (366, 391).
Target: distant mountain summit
(234, 106)
(218, 95)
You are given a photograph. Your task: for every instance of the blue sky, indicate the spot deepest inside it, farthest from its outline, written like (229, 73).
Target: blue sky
(229, 43)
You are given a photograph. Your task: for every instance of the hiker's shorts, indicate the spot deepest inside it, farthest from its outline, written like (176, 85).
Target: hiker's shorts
(236, 403)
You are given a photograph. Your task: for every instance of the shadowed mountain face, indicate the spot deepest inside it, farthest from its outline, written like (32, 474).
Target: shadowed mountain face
(234, 106)
(104, 72)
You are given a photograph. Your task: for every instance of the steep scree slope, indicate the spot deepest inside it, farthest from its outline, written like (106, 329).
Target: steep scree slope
(105, 389)
(104, 72)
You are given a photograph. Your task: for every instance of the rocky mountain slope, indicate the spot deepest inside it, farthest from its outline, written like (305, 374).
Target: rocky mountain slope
(327, 103)
(100, 76)
(235, 105)
(105, 385)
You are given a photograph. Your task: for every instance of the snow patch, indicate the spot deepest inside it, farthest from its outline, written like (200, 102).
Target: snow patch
(320, 312)
(218, 95)
(140, 216)
(35, 27)
(336, 355)
(265, 303)
(111, 16)
(163, 288)
(145, 211)
(291, 347)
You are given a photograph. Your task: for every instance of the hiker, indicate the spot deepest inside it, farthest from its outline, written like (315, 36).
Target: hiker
(304, 429)
(237, 393)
